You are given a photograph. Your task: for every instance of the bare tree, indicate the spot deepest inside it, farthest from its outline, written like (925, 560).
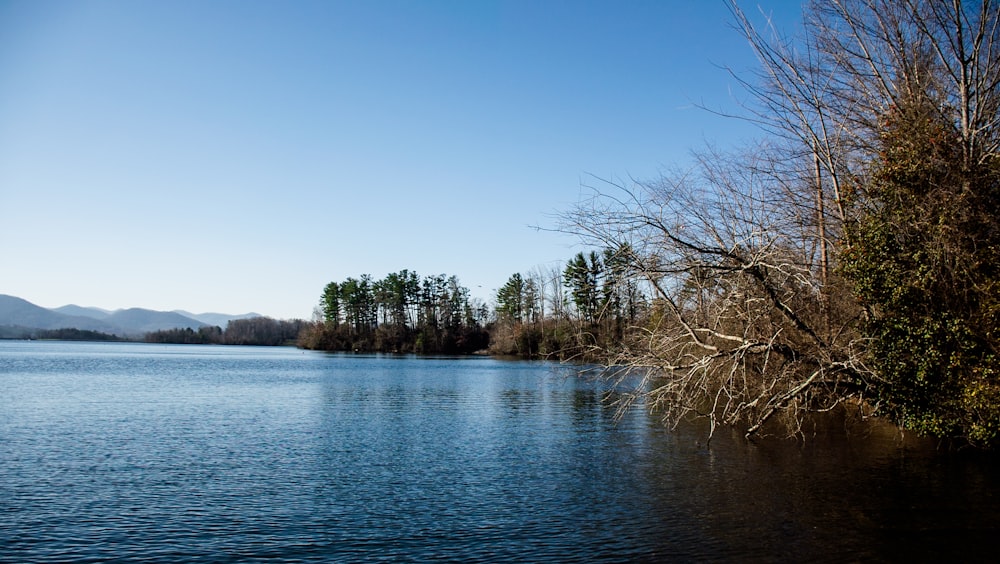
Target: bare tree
(828, 92)
(550, 283)
(742, 253)
(736, 331)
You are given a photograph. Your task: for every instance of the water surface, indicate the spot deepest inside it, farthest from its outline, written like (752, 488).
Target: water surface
(135, 452)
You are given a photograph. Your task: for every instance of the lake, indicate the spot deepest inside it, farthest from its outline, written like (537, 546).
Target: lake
(167, 453)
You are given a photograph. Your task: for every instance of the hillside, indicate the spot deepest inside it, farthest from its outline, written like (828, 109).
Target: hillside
(19, 317)
(73, 309)
(15, 311)
(216, 319)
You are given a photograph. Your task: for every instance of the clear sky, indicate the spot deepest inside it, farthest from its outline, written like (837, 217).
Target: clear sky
(235, 156)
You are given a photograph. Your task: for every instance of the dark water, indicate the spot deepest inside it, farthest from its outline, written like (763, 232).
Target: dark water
(136, 452)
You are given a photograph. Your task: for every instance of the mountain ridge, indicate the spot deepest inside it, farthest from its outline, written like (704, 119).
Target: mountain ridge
(216, 319)
(19, 313)
(73, 309)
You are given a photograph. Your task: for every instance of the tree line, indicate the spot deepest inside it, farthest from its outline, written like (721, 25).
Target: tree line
(71, 334)
(402, 312)
(559, 313)
(263, 331)
(567, 313)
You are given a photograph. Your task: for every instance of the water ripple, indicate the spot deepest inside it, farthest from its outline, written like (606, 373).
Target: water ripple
(115, 453)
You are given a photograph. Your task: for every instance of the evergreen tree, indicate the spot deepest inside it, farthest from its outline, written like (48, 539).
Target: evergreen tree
(510, 298)
(582, 276)
(330, 304)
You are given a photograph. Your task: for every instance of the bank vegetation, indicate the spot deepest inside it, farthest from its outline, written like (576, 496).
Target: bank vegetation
(850, 258)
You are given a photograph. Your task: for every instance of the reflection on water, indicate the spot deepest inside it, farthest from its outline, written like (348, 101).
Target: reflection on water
(166, 453)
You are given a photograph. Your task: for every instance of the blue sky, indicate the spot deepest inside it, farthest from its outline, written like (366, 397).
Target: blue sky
(238, 155)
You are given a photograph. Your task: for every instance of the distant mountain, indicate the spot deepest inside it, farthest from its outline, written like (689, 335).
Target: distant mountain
(138, 320)
(216, 319)
(71, 309)
(17, 312)
(18, 316)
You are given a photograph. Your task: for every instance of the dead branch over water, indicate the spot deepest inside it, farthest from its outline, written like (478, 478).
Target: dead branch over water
(750, 320)
(740, 326)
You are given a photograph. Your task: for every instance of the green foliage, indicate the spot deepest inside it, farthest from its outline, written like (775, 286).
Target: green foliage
(583, 277)
(399, 313)
(330, 303)
(601, 288)
(923, 258)
(510, 299)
